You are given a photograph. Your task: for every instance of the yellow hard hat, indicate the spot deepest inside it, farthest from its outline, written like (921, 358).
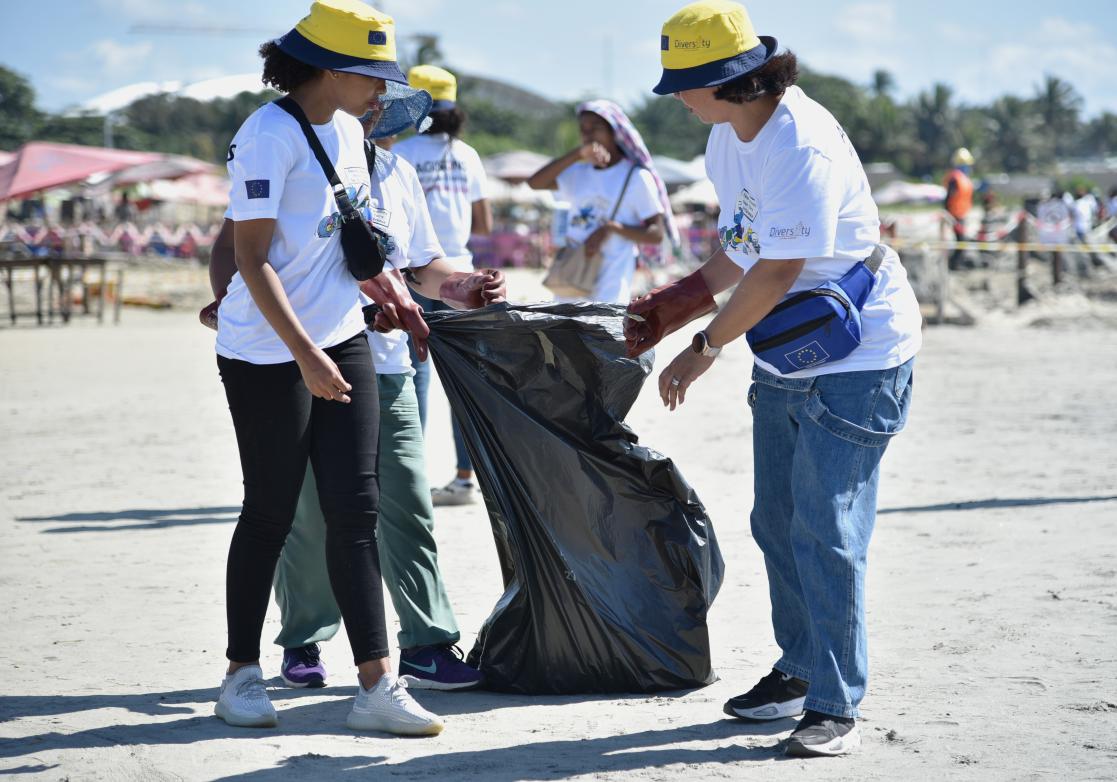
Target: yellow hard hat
(962, 157)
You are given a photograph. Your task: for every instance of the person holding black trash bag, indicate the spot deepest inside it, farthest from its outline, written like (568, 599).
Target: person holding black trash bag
(293, 355)
(834, 326)
(406, 547)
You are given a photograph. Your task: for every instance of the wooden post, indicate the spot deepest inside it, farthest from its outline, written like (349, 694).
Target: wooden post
(1056, 268)
(1023, 295)
(101, 292)
(119, 298)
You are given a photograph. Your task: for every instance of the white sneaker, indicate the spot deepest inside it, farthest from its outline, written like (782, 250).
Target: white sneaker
(457, 492)
(389, 707)
(244, 700)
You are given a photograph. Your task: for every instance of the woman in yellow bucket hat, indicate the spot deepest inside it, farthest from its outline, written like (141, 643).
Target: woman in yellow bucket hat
(294, 358)
(797, 218)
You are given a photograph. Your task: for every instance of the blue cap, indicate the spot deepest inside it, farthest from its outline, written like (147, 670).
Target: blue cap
(404, 108)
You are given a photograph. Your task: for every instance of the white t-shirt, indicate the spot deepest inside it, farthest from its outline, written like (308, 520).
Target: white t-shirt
(453, 178)
(1085, 209)
(398, 208)
(276, 176)
(798, 190)
(592, 193)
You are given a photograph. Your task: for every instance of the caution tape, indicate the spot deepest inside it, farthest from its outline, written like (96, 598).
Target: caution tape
(1037, 247)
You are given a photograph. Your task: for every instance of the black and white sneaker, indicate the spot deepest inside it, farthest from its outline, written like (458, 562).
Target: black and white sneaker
(774, 697)
(823, 735)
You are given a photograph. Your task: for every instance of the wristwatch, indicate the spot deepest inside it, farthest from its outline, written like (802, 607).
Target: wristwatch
(701, 345)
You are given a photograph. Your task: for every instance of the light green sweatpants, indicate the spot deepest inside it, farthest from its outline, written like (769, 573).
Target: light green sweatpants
(408, 558)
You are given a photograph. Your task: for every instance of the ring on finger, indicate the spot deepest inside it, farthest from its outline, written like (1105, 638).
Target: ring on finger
(675, 381)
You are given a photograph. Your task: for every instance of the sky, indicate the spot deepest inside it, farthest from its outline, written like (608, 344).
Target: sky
(73, 50)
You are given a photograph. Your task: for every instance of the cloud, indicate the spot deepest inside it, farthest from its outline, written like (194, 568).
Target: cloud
(867, 23)
(118, 58)
(154, 10)
(1076, 52)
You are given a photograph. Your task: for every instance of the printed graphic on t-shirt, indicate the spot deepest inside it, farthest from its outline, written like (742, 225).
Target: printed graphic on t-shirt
(741, 237)
(445, 175)
(590, 214)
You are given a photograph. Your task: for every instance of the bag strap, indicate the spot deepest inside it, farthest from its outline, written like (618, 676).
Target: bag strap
(876, 258)
(624, 189)
(370, 157)
(288, 104)
(856, 283)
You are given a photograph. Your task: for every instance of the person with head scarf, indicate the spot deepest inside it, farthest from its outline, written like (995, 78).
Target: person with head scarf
(309, 614)
(800, 236)
(610, 212)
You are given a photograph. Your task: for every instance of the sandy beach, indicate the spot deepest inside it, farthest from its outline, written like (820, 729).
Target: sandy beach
(992, 580)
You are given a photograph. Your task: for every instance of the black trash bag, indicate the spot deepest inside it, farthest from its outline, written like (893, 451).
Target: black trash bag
(609, 560)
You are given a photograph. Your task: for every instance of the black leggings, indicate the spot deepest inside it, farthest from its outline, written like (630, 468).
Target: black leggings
(279, 424)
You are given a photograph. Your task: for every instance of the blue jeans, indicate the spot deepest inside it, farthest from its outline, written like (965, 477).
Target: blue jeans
(817, 446)
(423, 382)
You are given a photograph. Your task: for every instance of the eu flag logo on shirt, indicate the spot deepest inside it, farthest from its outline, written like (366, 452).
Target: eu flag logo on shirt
(258, 188)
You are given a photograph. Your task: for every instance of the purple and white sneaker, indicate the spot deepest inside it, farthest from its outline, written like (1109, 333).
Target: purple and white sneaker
(303, 668)
(437, 668)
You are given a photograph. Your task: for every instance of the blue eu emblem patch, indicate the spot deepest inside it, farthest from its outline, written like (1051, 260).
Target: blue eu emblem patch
(664, 42)
(258, 188)
(807, 355)
(377, 38)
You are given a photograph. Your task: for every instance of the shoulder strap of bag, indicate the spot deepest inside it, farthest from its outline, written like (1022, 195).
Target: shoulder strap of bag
(370, 157)
(624, 189)
(876, 258)
(859, 280)
(295, 110)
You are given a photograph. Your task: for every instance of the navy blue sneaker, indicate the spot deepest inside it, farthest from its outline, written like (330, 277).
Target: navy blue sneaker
(303, 668)
(440, 667)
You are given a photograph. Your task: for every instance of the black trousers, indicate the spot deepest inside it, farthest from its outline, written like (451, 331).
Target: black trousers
(279, 425)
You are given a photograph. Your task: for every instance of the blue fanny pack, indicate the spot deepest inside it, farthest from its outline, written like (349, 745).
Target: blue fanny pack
(814, 327)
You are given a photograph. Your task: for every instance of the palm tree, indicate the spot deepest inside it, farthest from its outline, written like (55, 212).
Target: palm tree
(883, 84)
(1059, 104)
(936, 128)
(1014, 127)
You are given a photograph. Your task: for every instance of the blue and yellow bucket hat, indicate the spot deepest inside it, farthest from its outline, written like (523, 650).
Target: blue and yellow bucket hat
(709, 43)
(346, 35)
(439, 82)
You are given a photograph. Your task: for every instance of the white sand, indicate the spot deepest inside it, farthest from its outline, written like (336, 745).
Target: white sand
(992, 585)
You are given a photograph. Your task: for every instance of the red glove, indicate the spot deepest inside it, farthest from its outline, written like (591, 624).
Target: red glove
(665, 310)
(471, 290)
(208, 315)
(397, 309)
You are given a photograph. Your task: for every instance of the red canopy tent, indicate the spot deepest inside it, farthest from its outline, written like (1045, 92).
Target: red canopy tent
(40, 165)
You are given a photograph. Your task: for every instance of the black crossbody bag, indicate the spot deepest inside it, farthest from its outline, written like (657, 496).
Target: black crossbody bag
(360, 243)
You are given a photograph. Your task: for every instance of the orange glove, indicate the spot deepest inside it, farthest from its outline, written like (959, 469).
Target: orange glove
(665, 310)
(397, 309)
(472, 290)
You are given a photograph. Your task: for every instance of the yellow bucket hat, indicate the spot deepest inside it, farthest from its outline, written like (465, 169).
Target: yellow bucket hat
(709, 43)
(346, 35)
(439, 82)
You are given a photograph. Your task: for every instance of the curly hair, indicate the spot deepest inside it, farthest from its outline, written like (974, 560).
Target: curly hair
(283, 71)
(773, 78)
(448, 121)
